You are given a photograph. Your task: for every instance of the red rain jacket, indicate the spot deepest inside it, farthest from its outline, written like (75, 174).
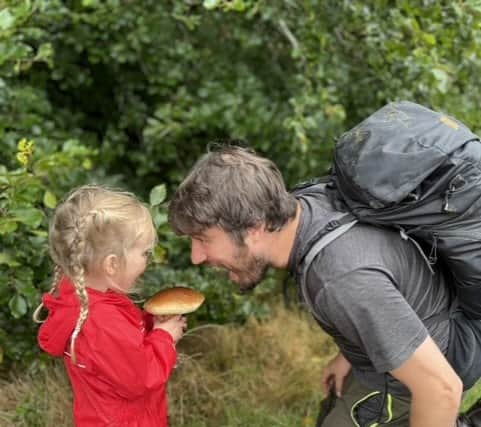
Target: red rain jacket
(122, 365)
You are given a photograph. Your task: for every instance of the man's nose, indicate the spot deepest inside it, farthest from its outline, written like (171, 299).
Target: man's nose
(197, 253)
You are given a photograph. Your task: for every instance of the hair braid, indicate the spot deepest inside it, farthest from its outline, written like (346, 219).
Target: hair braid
(84, 311)
(78, 278)
(57, 274)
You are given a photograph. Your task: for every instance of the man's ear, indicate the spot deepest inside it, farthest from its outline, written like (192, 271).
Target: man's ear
(111, 264)
(255, 234)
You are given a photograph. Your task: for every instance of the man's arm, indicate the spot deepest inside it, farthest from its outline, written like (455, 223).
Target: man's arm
(435, 388)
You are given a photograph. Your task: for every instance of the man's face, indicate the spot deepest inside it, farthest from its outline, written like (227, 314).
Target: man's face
(216, 248)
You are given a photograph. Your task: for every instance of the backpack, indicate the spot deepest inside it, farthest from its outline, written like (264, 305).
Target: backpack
(417, 170)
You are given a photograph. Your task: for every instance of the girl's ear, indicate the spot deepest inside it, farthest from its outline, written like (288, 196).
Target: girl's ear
(111, 264)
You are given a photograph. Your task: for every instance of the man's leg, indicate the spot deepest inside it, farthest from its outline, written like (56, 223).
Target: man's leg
(354, 393)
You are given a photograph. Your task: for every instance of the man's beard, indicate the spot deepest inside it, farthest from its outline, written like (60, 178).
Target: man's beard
(250, 271)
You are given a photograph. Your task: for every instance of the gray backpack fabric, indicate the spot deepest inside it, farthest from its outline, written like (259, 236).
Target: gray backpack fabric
(409, 167)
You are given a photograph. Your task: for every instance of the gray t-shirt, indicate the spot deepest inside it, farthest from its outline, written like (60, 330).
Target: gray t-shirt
(373, 292)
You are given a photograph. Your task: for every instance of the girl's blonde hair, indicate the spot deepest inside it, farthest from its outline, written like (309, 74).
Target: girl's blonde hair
(90, 224)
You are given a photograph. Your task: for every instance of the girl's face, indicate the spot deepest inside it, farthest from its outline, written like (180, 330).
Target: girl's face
(135, 263)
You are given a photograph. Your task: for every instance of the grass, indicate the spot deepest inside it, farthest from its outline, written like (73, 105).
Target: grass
(259, 374)
(264, 373)
(39, 400)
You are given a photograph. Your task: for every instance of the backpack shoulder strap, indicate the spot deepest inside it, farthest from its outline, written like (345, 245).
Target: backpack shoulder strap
(328, 238)
(346, 222)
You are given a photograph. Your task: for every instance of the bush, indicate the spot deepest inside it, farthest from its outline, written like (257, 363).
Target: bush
(129, 94)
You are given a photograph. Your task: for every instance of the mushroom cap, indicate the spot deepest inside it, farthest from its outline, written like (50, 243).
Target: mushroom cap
(171, 301)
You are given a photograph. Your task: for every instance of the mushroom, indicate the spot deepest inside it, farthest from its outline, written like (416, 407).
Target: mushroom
(174, 301)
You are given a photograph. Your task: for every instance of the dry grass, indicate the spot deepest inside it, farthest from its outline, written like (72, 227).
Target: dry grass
(261, 373)
(273, 366)
(39, 400)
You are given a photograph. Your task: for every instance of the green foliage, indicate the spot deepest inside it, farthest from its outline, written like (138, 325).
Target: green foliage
(28, 194)
(130, 93)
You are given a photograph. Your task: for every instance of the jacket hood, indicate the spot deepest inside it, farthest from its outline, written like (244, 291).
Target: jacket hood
(63, 313)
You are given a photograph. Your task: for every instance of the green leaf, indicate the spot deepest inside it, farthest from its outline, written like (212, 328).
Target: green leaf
(158, 195)
(159, 255)
(45, 53)
(159, 217)
(90, 3)
(40, 233)
(29, 216)
(6, 258)
(430, 39)
(6, 19)
(237, 5)
(18, 306)
(23, 284)
(211, 4)
(442, 79)
(8, 225)
(49, 200)
(87, 164)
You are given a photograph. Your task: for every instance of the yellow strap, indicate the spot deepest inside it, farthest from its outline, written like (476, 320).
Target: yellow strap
(388, 408)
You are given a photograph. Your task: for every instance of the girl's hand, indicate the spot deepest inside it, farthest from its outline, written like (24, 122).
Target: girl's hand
(174, 325)
(334, 374)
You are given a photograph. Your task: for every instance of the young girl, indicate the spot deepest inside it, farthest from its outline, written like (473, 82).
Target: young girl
(118, 358)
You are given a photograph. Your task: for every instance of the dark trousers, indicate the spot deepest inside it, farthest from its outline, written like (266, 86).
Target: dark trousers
(359, 407)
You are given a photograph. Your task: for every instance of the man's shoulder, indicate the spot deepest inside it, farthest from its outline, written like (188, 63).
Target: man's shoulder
(364, 243)
(363, 248)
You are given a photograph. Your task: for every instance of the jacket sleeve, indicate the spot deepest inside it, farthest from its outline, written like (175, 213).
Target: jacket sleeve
(130, 359)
